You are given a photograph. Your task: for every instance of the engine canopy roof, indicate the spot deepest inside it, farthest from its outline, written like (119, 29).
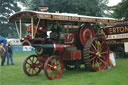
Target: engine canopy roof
(27, 15)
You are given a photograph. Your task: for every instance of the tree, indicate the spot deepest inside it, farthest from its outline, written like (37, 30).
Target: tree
(7, 7)
(30, 4)
(102, 5)
(121, 10)
(83, 7)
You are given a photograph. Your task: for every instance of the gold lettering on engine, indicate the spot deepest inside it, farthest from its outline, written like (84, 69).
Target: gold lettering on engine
(115, 30)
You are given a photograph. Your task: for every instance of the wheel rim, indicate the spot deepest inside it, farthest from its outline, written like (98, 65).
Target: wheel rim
(98, 54)
(53, 67)
(31, 66)
(86, 33)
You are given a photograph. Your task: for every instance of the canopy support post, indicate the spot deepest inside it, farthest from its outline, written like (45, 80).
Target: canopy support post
(37, 27)
(20, 29)
(32, 27)
(17, 29)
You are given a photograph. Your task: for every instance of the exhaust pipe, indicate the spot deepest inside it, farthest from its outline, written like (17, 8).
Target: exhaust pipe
(43, 5)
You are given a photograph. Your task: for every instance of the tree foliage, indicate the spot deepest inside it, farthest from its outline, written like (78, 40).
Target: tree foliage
(7, 7)
(84, 7)
(121, 10)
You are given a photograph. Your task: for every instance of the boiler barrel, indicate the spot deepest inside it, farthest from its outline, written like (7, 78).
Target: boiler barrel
(51, 48)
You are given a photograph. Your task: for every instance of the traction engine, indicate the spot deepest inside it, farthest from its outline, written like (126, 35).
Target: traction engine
(61, 43)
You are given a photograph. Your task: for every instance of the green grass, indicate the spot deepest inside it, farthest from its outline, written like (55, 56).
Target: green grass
(14, 75)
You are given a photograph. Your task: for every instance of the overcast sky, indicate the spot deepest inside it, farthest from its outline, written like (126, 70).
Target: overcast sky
(113, 2)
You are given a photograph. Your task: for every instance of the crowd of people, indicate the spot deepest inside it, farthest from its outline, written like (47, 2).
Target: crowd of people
(6, 51)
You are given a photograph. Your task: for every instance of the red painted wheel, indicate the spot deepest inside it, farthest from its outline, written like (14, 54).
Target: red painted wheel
(96, 54)
(86, 33)
(53, 67)
(31, 66)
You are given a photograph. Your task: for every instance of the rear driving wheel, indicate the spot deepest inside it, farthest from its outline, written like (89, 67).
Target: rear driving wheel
(96, 54)
(53, 67)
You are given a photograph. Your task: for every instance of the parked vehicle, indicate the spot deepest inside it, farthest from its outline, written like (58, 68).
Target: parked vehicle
(72, 42)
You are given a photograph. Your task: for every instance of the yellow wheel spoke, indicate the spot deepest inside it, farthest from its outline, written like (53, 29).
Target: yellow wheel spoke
(94, 47)
(27, 63)
(50, 65)
(93, 64)
(99, 66)
(102, 60)
(101, 48)
(31, 60)
(35, 70)
(36, 61)
(32, 71)
(29, 70)
(92, 52)
(93, 58)
(101, 44)
(51, 74)
(97, 45)
(90, 56)
(96, 61)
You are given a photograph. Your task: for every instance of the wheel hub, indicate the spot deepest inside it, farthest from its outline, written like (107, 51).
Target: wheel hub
(55, 67)
(98, 54)
(32, 65)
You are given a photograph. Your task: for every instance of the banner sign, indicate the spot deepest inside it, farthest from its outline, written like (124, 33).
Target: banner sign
(28, 48)
(118, 36)
(116, 29)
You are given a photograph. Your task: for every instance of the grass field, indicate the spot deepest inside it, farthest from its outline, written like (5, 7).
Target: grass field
(14, 75)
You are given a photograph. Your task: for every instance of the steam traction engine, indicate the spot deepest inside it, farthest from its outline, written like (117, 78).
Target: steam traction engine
(61, 41)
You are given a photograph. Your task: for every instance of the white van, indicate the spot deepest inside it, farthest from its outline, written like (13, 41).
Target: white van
(14, 41)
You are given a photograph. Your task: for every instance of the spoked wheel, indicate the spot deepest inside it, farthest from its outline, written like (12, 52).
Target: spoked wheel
(31, 66)
(53, 67)
(69, 67)
(96, 54)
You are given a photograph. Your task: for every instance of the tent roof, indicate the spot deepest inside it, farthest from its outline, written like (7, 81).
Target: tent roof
(3, 40)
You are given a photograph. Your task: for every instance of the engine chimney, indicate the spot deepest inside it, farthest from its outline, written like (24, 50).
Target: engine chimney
(43, 5)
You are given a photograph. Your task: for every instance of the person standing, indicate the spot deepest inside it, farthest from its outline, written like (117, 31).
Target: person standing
(2, 54)
(9, 54)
